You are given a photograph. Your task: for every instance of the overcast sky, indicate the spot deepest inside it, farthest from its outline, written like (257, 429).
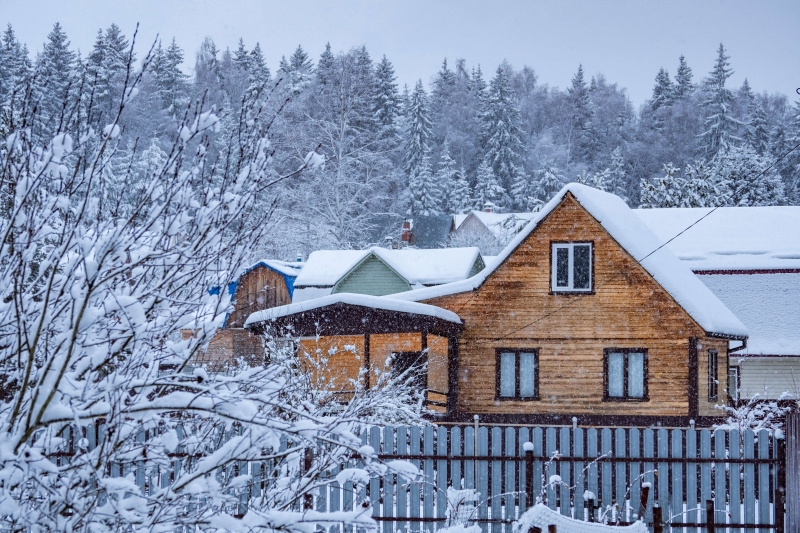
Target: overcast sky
(625, 40)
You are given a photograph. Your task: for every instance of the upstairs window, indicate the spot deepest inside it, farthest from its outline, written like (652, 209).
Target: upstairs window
(572, 267)
(517, 374)
(625, 374)
(713, 376)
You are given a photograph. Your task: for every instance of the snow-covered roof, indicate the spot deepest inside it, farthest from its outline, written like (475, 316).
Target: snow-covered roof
(730, 238)
(418, 266)
(362, 300)
(502, 225)
(768, 304)
(287, 268)
(627, 229)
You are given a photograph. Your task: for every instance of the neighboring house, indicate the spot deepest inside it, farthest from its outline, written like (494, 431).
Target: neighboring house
(584, 314)
(378, 271)
(430, 231)
(750, 258)
(267, 283)
(489, 231)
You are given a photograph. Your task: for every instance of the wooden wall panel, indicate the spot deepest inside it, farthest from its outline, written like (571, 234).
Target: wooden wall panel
(333, 362)
(261, 288)
(437, 363)
(382, 346)
(706, 407)
(514, 307)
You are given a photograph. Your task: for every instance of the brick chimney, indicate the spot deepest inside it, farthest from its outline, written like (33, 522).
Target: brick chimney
(489, 207)
(405, 235)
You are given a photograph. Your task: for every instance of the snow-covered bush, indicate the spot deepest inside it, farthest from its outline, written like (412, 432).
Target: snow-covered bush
(759, 413)
(100, 268)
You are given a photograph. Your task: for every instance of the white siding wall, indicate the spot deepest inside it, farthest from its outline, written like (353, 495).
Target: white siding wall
(775, 374)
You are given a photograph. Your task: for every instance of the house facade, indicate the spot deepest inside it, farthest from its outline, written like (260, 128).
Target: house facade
(584, 314)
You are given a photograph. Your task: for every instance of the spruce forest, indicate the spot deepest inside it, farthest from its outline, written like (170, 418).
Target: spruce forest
(470, 134)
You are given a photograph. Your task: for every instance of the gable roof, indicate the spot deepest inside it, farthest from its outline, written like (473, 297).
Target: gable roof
(418, 266)
(635, 237)
(730, 238)
(431, 231)
(502, 225)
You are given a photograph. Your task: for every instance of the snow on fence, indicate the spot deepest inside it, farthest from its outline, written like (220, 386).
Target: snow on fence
(609, 475)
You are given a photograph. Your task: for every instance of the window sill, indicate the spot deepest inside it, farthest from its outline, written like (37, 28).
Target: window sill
(516, 399)
(571, 292)
(625, 400)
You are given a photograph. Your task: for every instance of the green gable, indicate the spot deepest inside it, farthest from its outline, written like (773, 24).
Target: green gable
(372, 276)
(477, 267)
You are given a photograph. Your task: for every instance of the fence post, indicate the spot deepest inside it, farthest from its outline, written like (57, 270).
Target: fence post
(658, 527)
(528, 447)
(643, 502)
(780, 489)
(551, 528)
(710, 518)
(792, 473)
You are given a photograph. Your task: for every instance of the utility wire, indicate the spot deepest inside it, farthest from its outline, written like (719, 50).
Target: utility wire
(578, 296)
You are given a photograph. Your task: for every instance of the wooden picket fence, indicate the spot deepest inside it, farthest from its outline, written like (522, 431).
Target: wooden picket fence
(694, 480)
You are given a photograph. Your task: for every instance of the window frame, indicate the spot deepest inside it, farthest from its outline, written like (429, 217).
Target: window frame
(733, 399)
(625, 398)
(553, 268)
(713, 376)
(517, 358)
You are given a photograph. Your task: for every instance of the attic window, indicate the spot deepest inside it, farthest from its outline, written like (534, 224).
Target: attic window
(572, 267)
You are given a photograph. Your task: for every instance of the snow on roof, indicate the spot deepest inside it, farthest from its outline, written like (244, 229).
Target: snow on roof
(502, 225)
(287, 268)
(730, 238)
(768, 304)
(418, 266)
(635, 237)
(363, 300)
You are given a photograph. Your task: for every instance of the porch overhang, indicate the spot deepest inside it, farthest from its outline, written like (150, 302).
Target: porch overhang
(355, 314)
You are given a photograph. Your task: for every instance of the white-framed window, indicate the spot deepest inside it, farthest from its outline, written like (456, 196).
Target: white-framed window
(571, 270)
(517, 374)
(733, 384)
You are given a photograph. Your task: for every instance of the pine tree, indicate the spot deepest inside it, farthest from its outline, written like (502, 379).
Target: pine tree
(170, 80)
(14, 65)
(478, 84)
(502, 136)
(683, 80)
(487, 188)
(418, 130)
(756, 134)
(55, 75)
(259, 72)
(425, 194)
(241, 58)
(387, 101)
(663, 91)
(719, 121)
(107, 66)
(549, 184)
(297, 70)
(668, 190)
(325, 65)
(581, 115)
(460, 200)
(743, 170)
(445, 179)
(703, 187)
(617, 178)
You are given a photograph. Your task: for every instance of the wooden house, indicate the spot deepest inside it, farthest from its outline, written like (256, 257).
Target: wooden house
(265, 284)
(487, 230)
(380, 271)
(584, 314)
(750, 258)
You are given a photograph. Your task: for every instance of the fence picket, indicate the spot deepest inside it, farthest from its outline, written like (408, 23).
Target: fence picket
(677, 476)
(749, 480)
(648, 452)
(764, 485)
(621, 481)
(592, 481)
(483, 478)
(428, 480)
(735, 508)
(496, 474)
(551, 449)
(579, 475)
(691, 479)
(538, 464)
(375, 482)
(635, 473)
(705, 473)
(510, 482)
(606, 473)
(469, 449)
(402, 483)
(455, 464)
(564, 448)
(524, 436)
(663, 470)
(388, 481)
(720, 500)
(441, 474)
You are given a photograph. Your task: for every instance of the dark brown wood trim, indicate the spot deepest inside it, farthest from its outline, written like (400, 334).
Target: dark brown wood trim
(757, 355)
(569, 292)
(366, 360)
(452, 374)
(626, 398)
(423, 342)
(583, 420)
(694, 398)
(749, 271)
(517, 352)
